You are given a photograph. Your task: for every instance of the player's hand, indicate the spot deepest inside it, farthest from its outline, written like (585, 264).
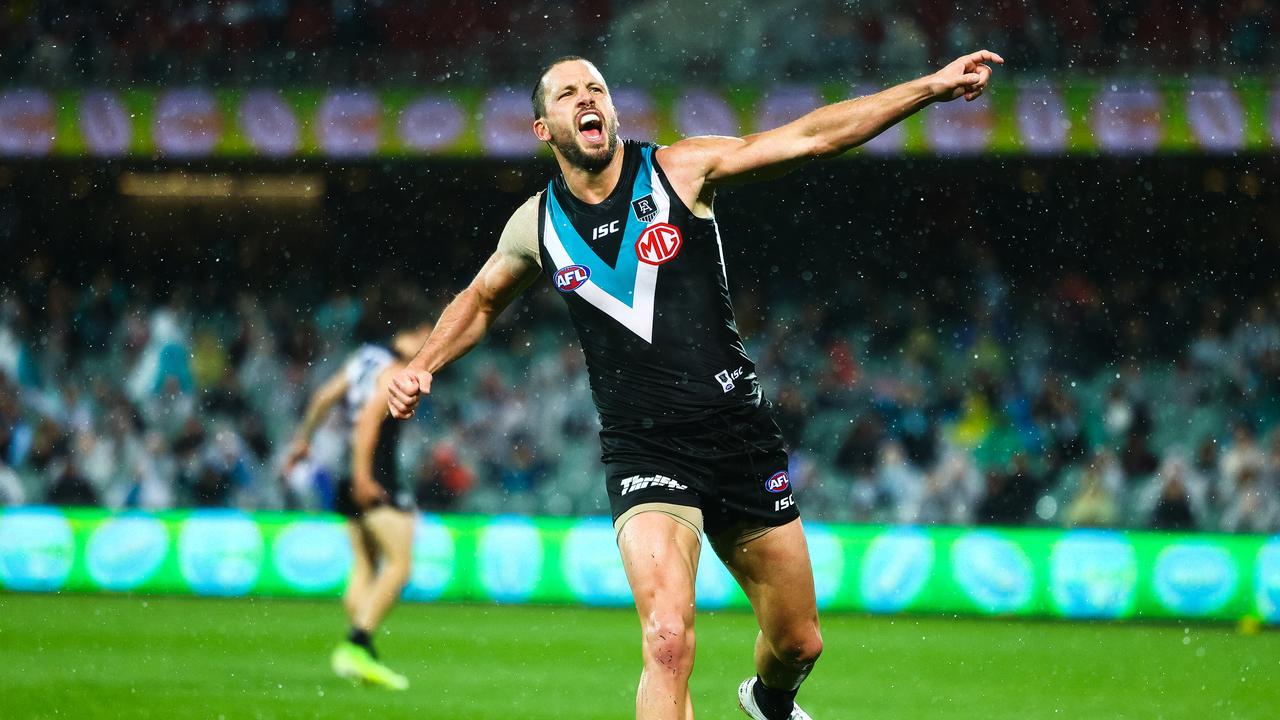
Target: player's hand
(965, 76)
(367, 494)
(297, 451)
(406, 388)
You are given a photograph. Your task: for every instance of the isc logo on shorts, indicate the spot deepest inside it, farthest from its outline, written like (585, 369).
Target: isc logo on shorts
(572, 277)
(778, 483)
(640, 482)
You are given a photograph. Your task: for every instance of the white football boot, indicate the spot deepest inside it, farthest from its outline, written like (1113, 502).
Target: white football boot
(747, 701)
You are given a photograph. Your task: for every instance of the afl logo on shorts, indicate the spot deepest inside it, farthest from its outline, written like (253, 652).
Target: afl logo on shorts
(659, 243)
(778, 483)
(572, 277)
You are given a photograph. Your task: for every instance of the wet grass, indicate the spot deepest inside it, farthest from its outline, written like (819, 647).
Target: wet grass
(134, 657)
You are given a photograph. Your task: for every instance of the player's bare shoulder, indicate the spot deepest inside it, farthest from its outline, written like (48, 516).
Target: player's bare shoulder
(689, 164)
(519, 237)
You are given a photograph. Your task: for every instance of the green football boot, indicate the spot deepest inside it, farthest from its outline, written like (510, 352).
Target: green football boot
(353, 662)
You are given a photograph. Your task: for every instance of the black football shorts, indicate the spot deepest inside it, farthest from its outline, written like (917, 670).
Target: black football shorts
(732, 466)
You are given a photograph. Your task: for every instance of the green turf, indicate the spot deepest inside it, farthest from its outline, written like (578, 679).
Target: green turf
(109, 657)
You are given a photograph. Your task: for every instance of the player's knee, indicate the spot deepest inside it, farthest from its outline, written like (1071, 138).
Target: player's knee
(669, 644)
(399, 568)
(800, 649)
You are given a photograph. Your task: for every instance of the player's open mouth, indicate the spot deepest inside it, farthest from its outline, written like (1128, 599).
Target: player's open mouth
(591, 125)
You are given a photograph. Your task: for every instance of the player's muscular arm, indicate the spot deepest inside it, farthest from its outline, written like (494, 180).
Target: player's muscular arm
(465, 321)
(506, 274)
(695, 164)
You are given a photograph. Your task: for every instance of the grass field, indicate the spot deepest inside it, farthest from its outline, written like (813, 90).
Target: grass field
(121, 657)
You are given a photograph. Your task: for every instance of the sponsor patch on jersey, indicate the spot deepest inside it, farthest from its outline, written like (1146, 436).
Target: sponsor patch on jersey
(659, 244)
(572, 277)
(645, 208)
(778, 482)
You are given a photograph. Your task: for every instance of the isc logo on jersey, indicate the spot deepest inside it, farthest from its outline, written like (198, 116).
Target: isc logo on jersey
(572, 277)
(778, 483)
(659, 243)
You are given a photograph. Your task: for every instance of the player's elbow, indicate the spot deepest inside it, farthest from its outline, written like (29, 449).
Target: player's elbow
(482, 301)
(822, 145)
(830, 142)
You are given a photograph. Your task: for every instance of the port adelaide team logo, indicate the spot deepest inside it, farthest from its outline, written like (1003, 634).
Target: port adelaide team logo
(645, 209)
(778, 482)
(659, 244)
(572, 277)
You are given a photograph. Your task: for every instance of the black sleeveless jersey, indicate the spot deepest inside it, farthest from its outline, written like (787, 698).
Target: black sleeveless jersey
(645, 283)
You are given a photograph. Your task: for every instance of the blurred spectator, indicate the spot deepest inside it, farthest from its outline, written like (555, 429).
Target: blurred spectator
(1244, 456)
(1254, 507)
(1137, 460)
(860, 448)
(947, 496)
(523, 468)
(1094, 504)
(11, 491)
(1175, 499)
(69, 487)
(442, 480)
(1010, 496)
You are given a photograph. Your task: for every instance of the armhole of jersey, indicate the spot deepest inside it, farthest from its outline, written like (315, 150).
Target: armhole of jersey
(674, 196)
(520, 243)
(542, 219)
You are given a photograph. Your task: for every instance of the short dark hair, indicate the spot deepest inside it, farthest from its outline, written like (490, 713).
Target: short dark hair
(538, 98)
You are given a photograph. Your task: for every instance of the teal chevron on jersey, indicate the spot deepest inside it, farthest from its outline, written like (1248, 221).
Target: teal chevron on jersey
(619, 280)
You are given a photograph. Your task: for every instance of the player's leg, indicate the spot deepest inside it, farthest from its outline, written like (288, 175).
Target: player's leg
(388, 533)
(360, 579)
(775, 573)
(347, 659)
(392, 532)
(660, 555)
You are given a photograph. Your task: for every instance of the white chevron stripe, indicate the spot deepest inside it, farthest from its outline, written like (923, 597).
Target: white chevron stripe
(637, 317)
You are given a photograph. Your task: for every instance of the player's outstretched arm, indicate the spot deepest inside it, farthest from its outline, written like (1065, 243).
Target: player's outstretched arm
(506, 274)
(321, 403)
(827, 131)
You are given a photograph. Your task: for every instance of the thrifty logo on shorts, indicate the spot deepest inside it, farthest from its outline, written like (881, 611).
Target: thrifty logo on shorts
(640, 482)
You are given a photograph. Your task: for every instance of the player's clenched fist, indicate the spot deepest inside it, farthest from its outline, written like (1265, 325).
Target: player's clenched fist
(405, 390)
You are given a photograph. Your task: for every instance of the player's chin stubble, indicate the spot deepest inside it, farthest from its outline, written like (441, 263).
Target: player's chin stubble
(589, 161)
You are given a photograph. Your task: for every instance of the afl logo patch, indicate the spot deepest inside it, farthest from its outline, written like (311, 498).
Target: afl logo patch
(659, 244)
(778, 483)
(572, 277)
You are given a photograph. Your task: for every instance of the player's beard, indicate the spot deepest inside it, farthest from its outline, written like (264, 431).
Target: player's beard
(593, 160)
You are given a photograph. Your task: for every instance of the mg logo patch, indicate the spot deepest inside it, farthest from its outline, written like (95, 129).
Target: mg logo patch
(572, 277)
(659, 244)
(645, 209)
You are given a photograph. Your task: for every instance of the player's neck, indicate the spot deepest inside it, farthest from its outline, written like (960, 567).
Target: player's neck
(592, 187)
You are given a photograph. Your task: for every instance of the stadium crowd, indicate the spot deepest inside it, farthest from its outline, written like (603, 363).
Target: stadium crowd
(1010, 413)
(59, 42)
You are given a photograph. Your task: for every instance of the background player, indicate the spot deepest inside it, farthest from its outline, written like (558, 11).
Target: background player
(688, 441)
(379, 515)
